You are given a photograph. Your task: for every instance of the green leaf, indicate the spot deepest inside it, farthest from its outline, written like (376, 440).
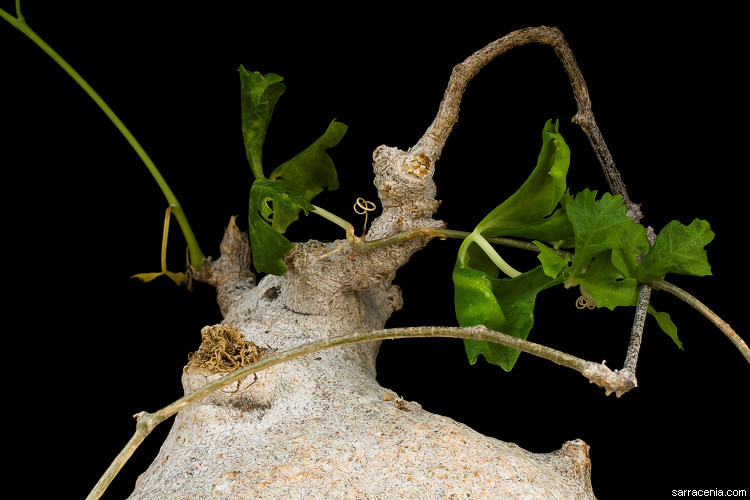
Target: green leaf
(276, 203)
(608, 287)
(605, 233)
(555, 229)
(552, 262)
(475, 301)
(665, 323)
(531, 205)
(309, 172)
(269, 200)
(312, 170)
(538, 196)
(602, 225)
(505, 305)
(633, 242)
(678, 249)
(259, 94)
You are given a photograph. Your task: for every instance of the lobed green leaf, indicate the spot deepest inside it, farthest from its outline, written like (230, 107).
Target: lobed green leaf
(552, 263)
(269, 200)
(554, 229)
(678, 249)
(606, 284)
(537, 197)
(602, 225)
(259, 94)
(505, 305)
(309, 172)
(312, 170)
(276, 203)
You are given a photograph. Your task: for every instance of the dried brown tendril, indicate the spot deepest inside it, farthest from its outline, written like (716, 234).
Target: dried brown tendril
(319, 256)
(362, 206)
(584, 303)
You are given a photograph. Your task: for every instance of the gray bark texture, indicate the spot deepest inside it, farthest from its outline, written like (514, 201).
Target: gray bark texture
(321, 426)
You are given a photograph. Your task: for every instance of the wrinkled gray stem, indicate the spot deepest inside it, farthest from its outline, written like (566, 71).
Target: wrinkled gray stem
(636, 334)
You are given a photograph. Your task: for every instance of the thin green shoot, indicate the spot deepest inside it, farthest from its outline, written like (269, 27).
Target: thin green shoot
(338, 221)
(492, 254)
(196, 255)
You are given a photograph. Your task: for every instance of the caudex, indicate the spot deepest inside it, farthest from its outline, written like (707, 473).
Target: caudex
(591, 242)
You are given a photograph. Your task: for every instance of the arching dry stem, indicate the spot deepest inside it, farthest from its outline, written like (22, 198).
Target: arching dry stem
(434, 139)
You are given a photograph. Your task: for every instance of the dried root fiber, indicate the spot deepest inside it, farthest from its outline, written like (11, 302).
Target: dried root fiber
(223, 349)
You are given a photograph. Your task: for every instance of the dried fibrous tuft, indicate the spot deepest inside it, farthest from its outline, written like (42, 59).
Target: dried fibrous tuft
(223, 349)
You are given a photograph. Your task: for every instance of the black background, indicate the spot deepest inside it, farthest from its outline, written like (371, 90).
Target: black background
(89, 346)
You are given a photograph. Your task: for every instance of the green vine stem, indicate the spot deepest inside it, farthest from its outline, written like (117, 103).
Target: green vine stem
(338, 221)
(597, 373)
(196, 255)
(435, 232)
